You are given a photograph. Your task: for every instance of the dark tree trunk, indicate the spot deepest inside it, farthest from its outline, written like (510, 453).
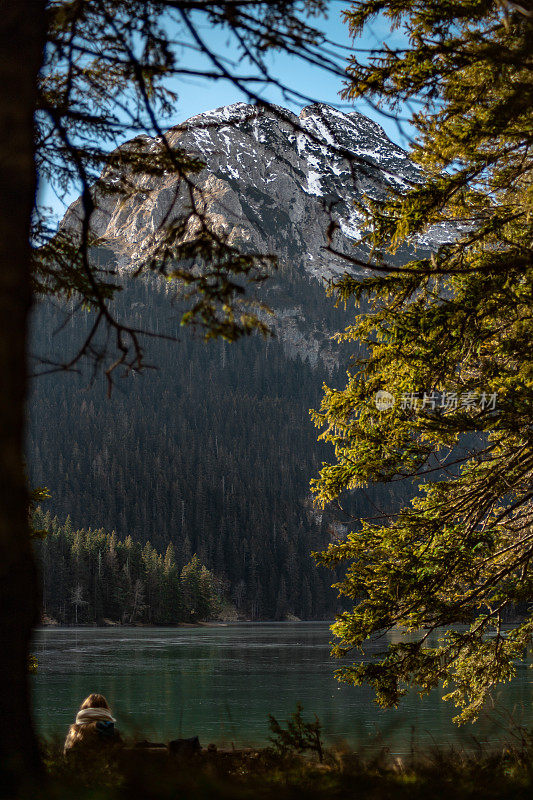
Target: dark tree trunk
(22, 29)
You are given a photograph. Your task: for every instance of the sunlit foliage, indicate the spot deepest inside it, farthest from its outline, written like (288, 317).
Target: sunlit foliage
(448, 335)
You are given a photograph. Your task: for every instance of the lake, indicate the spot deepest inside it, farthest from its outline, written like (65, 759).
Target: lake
(221, 682)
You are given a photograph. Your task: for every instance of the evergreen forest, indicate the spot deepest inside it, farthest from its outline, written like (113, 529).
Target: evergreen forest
(90, 576)
(212, 451)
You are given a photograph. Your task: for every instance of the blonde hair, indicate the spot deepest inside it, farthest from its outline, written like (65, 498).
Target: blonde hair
(87, 734)
(94, 701)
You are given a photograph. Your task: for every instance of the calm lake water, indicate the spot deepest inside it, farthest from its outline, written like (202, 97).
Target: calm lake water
(220, 683)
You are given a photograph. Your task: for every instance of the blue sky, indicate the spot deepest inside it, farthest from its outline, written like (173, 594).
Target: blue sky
(197, 95)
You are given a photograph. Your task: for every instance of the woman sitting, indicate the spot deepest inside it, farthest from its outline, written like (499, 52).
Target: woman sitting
(94, 726)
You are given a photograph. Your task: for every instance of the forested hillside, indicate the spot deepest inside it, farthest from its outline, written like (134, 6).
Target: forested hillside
(213, 452)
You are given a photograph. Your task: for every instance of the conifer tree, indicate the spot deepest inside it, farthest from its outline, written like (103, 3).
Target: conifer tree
(79, 586)
(448, 336)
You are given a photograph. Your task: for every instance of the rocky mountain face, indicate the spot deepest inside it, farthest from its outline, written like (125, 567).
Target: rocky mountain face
(214, 451)
(274, 182)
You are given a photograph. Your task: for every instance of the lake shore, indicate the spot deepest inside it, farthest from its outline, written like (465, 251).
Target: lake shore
(283, 772)
(112, 624)
(47, 622)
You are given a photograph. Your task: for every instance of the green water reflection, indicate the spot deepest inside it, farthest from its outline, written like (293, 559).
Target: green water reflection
(221, 683)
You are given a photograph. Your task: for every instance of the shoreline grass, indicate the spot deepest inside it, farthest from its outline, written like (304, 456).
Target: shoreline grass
(281, 773)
